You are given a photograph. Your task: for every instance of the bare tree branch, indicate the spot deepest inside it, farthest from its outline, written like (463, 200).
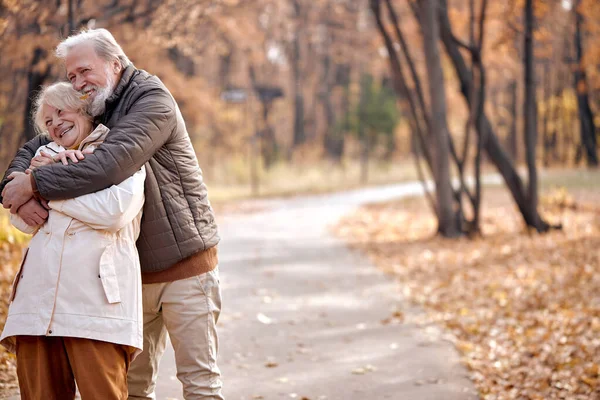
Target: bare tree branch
(398, 76)
(403, 45)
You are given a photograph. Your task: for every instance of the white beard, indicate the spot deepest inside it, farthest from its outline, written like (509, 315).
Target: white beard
(98, 105)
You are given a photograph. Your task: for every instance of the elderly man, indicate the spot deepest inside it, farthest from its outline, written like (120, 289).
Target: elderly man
(177, 245)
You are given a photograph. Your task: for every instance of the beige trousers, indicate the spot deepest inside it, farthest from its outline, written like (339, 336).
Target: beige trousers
(48, 368)
(188, 310)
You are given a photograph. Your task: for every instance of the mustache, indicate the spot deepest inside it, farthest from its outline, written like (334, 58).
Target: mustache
(89, 87)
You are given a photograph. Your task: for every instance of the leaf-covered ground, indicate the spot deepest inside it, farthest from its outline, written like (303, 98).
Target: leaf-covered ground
(522, 308)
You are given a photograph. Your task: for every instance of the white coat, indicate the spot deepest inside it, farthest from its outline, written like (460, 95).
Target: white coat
(80, 276)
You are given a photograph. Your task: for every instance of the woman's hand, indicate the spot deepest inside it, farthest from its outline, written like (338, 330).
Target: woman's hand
(73, 155)
(42, 159)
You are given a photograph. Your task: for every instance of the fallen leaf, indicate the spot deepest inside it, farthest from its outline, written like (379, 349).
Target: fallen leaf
(522, 308)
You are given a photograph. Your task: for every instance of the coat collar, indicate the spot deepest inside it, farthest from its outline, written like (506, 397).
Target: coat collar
(97, 135)
(128, 73)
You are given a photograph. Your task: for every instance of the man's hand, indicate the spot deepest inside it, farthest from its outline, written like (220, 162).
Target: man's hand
(73, 155)
(42, 159)
(33, 213)
(17, 191)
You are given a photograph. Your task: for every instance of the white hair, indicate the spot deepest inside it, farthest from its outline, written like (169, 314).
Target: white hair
(59, 95)
(104, 43)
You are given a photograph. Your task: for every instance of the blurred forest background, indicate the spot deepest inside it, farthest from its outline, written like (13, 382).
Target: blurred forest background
(293, 96)
(290, 87)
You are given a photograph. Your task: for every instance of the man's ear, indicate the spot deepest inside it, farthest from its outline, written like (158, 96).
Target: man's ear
(116, 66)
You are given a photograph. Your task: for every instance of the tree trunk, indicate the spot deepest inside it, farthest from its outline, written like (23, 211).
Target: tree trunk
(267, 135)
(335, 144)
(335, 137)
(363, 134)
(530, 107)
(364, 157)
(326, 87)
(407, 105)
(491, 145)
(546, 135)
(299, 134)
(513, 148)
(448, 223)
(71, 17)
(35, 79)
(586, 118)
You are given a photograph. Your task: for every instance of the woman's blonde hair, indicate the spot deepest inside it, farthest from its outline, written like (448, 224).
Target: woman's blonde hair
(59, 95)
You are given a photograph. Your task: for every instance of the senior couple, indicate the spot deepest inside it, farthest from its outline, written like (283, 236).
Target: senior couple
(124, 245)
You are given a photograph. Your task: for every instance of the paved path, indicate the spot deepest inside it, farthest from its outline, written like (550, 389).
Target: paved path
(302, 313)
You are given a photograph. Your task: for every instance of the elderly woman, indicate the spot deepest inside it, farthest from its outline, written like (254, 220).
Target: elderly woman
(76, 314)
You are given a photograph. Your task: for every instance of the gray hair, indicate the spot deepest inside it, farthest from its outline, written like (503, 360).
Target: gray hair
(59, 95)
(104, 43)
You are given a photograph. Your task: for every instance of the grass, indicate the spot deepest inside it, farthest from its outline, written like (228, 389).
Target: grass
(283, 180)
(571, 179)
(231, 183)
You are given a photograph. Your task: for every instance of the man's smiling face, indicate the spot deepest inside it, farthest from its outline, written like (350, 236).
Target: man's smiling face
(92, 75)
(86, 71)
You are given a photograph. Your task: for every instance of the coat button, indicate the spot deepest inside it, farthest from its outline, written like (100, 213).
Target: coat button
(50, 332)
(98, 275)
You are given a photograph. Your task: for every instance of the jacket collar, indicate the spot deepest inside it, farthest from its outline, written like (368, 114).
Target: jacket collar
(97, 135)
(128, 73)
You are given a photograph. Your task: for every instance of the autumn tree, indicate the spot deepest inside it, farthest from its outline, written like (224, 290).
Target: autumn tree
(588, 130)
(493, 149)
(447, 222)
(430, 122)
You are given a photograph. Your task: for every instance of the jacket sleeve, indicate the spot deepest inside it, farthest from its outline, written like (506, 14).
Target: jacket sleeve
(21, 225)
(130, 144)
(23, 158)
(109, 209)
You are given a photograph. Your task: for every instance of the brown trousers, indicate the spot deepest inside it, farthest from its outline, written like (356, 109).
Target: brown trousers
(48, 367)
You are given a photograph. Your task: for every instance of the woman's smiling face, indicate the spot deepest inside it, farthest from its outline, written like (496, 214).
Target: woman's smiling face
(66, 127)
